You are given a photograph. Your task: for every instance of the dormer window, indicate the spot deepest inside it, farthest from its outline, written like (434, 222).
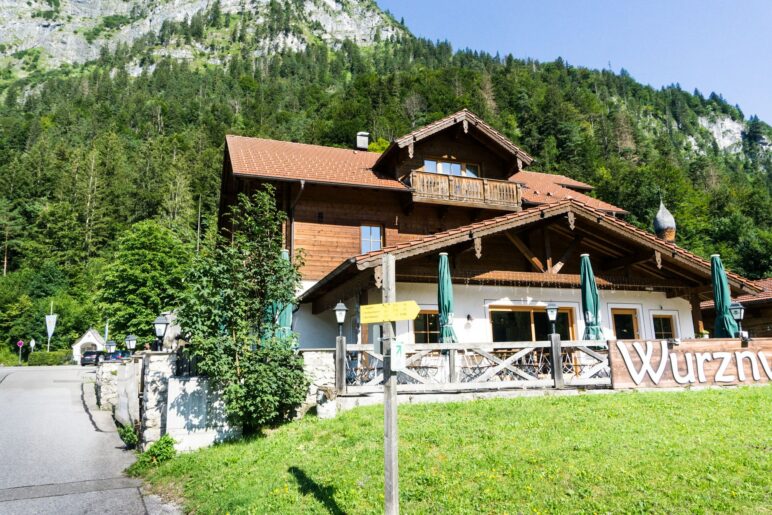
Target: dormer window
(451, 168)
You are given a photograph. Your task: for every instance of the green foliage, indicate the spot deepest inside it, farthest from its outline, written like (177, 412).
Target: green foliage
(155, 455)
(40, 357)
(7, 357)
(232, 286)
(144, 277)
(569, 454)
(129, 436)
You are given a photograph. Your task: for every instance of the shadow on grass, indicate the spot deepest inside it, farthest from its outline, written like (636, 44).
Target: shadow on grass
(323, 494)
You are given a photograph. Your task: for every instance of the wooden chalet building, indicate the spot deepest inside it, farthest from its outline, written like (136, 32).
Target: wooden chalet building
(514, 238)
(758, 310)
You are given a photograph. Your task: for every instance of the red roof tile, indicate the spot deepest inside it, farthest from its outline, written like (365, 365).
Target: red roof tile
(762, 297)
(545, 188)
(284, 160)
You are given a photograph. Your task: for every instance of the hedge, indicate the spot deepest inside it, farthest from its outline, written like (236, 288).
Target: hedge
(57, 357)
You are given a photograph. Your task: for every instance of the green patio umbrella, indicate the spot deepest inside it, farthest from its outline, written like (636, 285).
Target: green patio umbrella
(445, 301)
(280, 313)
(725, 326)
(590, 304)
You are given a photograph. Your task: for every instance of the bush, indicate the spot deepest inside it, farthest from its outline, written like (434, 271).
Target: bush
(261, 386)
(8, 357)
(57, 357)
(129, 436)
(160, 451)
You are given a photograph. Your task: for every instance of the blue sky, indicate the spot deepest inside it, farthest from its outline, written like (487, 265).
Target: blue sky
(711, 45)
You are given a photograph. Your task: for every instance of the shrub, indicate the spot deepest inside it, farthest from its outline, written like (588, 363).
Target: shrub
(129, 436)
(260, 386)
(57, 357)
(160, 451)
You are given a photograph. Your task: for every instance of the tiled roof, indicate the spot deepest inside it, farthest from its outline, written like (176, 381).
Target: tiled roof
(450, 237)
(464, 116)
(545, 188)
(762, 297)
(284, 160)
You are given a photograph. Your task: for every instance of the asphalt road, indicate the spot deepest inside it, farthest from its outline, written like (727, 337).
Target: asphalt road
(54, 456)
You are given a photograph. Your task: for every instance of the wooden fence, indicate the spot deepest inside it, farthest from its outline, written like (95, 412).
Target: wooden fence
(441, 367)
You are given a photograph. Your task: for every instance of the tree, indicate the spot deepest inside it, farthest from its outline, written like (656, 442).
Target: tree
(144, 278)
(10, 229)
(232, 287)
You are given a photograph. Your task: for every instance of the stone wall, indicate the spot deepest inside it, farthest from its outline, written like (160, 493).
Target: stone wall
(195, 414)
(157, 368)
(319, 367)
(129, 381)
(107, 385)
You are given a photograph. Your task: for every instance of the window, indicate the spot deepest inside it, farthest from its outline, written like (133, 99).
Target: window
(625, 323)
(451, 168)
(664, 327)
(518, 324)
(426, 327)
(371, 238)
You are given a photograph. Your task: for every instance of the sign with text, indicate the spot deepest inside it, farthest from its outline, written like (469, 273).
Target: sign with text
(707, 362)
(391, 312)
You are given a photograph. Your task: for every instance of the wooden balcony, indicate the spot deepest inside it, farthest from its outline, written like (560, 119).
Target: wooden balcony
(435, 188)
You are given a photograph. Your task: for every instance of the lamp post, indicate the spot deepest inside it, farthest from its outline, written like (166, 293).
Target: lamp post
(160, 325)
(340, 316)
(738, 313)
(131, 342)
(340, 349)
(552, 315)
(556, 352)
(110, 347)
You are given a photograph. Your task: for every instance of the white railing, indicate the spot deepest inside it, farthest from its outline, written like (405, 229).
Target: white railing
(480, 366)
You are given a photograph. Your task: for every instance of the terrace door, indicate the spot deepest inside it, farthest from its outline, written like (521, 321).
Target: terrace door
(625, 324)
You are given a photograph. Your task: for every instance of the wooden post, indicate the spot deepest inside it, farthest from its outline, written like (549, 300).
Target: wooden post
(694, 300)
(452, 366)
(340, 364)
(390, 438)
(557, 361)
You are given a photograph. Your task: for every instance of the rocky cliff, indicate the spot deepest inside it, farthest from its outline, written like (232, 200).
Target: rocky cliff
(40, 34)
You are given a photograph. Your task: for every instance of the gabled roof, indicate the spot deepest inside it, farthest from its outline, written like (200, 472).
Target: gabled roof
(545, 188)
(434, 242)
(464, 117)
(94, 334)
(287, 161)
(762, 297)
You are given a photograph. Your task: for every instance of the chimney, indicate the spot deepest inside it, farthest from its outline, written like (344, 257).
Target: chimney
(363, 140)
(664, 224)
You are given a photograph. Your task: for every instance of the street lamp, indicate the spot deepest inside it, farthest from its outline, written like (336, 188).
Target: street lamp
(131, 342)
(340, 316)
(738, 312)
(160, 325)
(110, 346)
(552, 315)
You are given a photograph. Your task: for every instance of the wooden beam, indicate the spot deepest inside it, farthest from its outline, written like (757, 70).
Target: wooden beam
(566, 255)
(547, 248)
(523, 248)
(689, 292)
(632, 259)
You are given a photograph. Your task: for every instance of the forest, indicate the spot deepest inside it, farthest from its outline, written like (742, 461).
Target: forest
(110, 171)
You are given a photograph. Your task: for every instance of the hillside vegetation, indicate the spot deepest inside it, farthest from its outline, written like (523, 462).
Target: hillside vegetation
(88, 151)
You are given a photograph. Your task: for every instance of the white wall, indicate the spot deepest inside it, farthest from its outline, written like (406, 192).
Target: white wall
(320, 331)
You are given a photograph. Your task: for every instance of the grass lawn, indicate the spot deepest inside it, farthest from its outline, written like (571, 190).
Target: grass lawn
(688, 452)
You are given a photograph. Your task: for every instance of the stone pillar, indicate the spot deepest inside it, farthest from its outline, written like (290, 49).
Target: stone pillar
(157, 368)
(107, 385)
(319, 367)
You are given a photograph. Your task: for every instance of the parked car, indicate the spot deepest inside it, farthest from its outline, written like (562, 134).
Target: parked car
(91, 357)
(113, 357)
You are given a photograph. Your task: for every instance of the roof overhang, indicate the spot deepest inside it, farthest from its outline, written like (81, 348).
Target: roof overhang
(357, 269)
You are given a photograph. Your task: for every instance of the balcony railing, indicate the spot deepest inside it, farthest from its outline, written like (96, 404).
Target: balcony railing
(434, 188)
